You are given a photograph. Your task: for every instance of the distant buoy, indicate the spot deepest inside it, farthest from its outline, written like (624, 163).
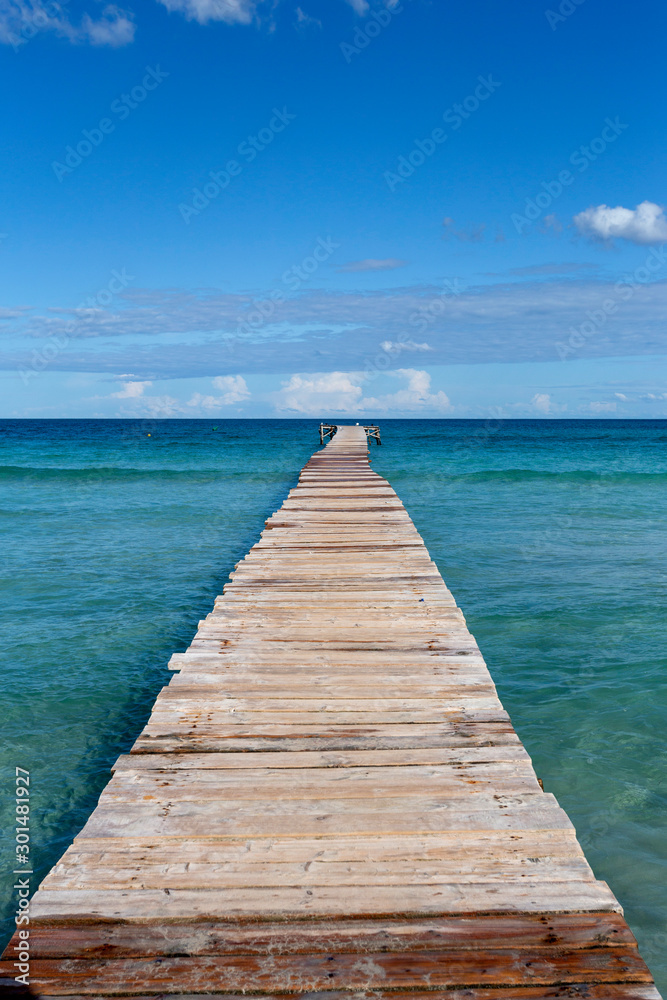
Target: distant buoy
(148, 435)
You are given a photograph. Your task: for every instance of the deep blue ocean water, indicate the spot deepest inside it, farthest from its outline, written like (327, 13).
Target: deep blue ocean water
(115, 536)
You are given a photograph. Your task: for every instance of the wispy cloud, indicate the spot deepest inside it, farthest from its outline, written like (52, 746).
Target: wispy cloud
(16, 313)
(115, 28)
(139, 403)
(599, 407)
(371, 264)
(535, 270)
(203, 11)
(304, 20)
(396, 346)
(471, 234)
(646, 224)
(20, 20)
(659, 396)
(187, 334)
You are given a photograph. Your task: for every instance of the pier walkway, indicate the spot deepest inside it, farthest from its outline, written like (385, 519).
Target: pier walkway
(329, 799)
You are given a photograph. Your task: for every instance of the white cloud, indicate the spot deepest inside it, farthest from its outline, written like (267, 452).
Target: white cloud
(416, 396)
(552, 222)
(645, 224)
(602, 407)
(207, 403)
(114, 28)
(333, 392)
(342, 393)
(131, 390)
(234, 391)
(158, 406)
(145, 406)
(234, 387)
(473, 234)
(396, 346)
(20, 20)
(303, 19)
(622, 397)
(541, 402)
(372, 264)
(203, 11)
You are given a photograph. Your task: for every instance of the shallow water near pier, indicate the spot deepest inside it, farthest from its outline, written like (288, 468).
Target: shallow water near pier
(117, 535)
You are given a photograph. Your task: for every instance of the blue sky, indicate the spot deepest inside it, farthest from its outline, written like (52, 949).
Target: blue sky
(351, 207)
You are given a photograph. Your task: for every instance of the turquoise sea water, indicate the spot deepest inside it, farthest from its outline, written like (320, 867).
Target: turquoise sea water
(551, 535)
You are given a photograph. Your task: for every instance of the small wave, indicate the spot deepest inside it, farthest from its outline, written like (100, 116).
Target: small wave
(105, 474)
(568, 476)
(101, 474)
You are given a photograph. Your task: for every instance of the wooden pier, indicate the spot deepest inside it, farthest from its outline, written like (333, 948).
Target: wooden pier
(328, 800)
(372, 432)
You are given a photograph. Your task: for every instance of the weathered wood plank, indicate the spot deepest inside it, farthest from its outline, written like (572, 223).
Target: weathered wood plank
(259, 783)
(321, 816)
(521, 896)
(427, 664)
(192, 683)
(472, 756)
(587, 990)
(312, 972)
(82, 872)
(332, 738)
(422, 848)
(117, 940)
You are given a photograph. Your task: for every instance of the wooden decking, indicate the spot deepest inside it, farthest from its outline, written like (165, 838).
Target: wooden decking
(329, 799)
